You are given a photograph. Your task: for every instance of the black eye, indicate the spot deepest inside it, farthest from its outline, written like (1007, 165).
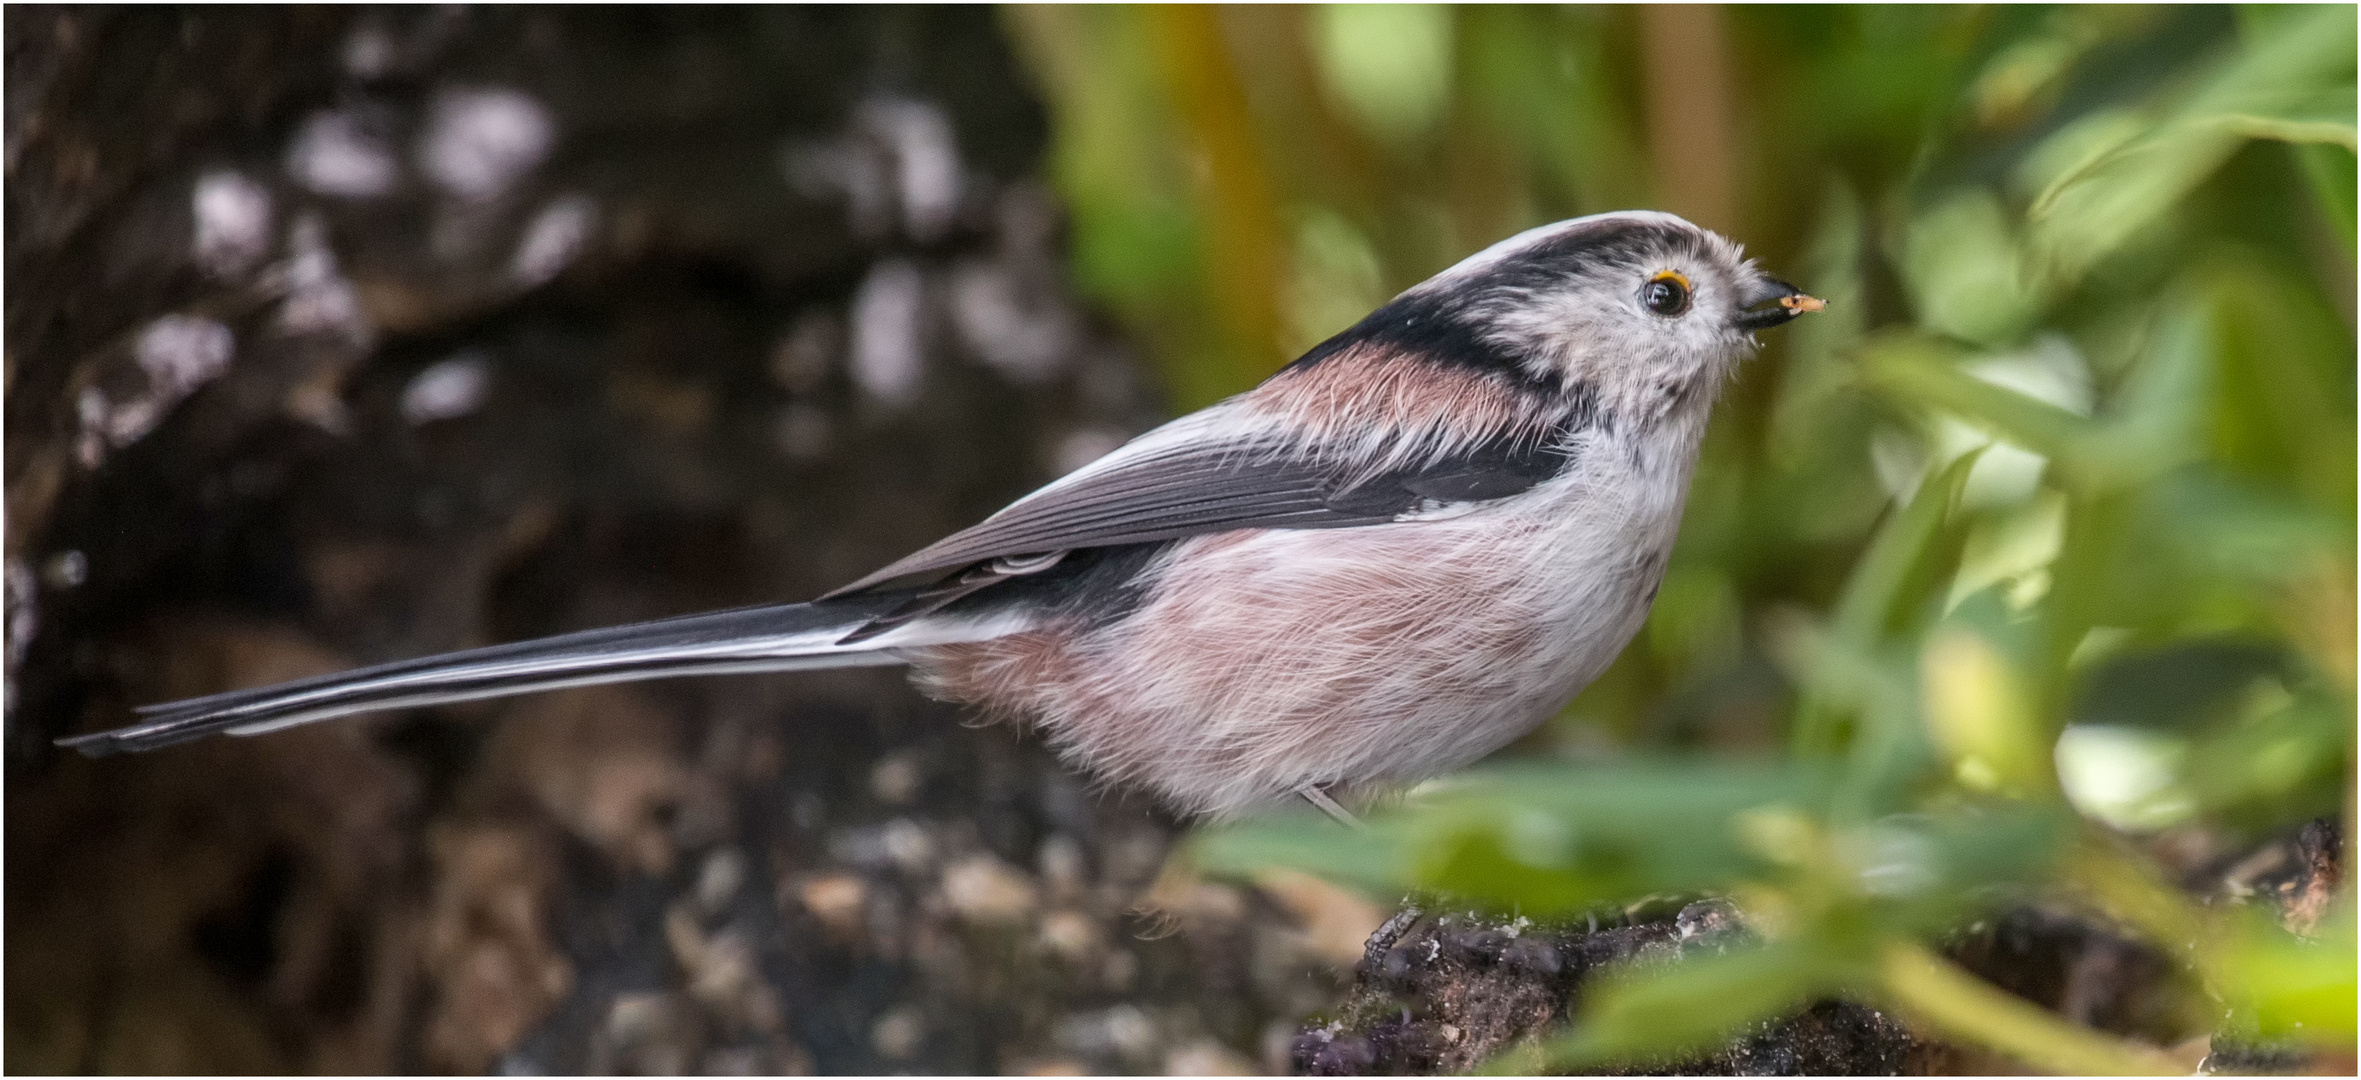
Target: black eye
(1667, 294)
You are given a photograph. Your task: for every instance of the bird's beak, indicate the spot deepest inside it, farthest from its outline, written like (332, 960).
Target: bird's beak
(1773, 303)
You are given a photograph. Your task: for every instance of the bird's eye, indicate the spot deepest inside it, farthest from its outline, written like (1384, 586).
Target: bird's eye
(1666, 294)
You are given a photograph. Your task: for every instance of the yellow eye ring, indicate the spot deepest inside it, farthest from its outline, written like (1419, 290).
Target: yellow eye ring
(1667, 293)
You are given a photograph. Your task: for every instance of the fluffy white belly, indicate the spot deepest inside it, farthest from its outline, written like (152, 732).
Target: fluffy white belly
(1265, 660)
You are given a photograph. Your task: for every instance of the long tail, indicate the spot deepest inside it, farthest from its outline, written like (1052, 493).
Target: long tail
(783, 637)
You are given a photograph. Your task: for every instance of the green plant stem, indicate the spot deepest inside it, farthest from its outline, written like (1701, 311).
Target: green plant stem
(1943, 995)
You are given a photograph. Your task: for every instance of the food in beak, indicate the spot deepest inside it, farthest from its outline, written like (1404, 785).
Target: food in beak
(1779, 308)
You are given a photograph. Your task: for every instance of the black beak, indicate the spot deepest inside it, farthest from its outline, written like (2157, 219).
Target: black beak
(1774, 304)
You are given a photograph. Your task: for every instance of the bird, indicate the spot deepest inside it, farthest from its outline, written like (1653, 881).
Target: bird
(1397, 554)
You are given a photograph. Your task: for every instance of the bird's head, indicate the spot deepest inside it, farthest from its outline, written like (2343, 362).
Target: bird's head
(1642, 307)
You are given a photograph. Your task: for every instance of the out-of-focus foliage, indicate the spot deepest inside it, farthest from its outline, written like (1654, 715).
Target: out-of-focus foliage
(2038, 543)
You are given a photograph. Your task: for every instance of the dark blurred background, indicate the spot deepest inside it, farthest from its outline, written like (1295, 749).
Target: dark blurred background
(339, 335)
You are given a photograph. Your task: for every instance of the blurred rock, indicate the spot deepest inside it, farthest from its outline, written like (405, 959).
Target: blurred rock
(897, 1034)
(647, 1034)
(985, 890)
(1120, 1032)
(1207, 1058)
(2304, 893)
(1071, 936)
(895, 780)
(721, 973)
(603, 761)
(171, 916)
(1336, 921)
(487, 943)
(1445, 992)
(837, 900)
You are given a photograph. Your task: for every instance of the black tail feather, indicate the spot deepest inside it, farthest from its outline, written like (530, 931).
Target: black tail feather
(772, 638)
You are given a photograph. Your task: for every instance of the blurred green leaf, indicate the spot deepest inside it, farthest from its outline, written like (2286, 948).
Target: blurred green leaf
(1542, 838)
(2230, 534)
(2282, 760)
(1978, 846)
(2145, 429)
(1927, 374)
(1390, 63)
(1961, 261)
(2282, 403)
(1983, 711)
(2295, 76)
(2330, 171)
(2282, 987)
(2180, 686)
(1892, 583)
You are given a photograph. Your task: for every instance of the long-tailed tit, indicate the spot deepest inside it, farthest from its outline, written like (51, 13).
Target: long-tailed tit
(1401, 552)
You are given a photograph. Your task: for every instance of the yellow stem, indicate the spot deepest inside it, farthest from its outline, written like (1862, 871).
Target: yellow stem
(1687, 67)
(1244, 250)
(1965, 1008)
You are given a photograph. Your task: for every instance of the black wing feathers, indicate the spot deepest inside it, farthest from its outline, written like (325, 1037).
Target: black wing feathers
(1190, 491)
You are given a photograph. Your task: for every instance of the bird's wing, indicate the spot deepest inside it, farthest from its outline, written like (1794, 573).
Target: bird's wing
(1186, 481)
